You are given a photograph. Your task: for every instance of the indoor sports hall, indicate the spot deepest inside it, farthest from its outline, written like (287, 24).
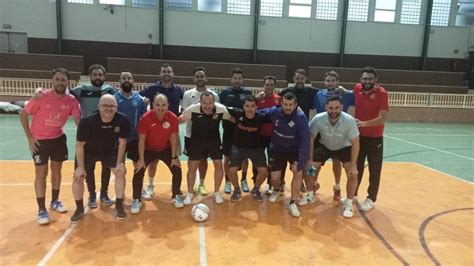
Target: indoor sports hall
(423, 51)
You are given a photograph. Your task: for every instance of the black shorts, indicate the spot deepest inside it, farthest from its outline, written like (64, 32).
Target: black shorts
(187, 143)
(265, 142)
(238, 155)
(56, 149)
(108, 160)
(227, 141)
(198, 150)
(132, 150)
(277, 160)
(322, 154)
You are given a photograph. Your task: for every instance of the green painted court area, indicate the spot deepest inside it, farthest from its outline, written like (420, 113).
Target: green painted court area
(443, 147)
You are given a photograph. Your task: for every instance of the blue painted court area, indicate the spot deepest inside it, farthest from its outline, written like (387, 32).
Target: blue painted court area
(444, 147)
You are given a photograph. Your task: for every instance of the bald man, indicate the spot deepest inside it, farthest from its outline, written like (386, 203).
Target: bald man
(101, 137)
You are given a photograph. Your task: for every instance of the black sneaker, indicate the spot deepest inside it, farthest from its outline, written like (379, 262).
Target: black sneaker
(77, 216)
(235, 195)
(92, 202)
(104, 198)
(121, 214)
(256, 194)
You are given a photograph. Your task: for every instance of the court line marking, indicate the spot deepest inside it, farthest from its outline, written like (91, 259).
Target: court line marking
(441, 172)
(202, 232)
(59, 242)
(436, 135)
(431, 148)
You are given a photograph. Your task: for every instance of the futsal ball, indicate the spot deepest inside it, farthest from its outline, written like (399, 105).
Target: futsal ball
(200, 212)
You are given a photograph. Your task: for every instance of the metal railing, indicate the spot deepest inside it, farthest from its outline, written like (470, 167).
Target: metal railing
(27, 87)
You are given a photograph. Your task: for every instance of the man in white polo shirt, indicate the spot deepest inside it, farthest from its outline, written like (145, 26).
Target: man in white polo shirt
(339, 140)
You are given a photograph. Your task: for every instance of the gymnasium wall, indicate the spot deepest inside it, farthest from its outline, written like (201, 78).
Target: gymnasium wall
(92, 31)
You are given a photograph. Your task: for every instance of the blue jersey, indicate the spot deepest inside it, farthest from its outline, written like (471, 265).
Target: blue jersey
(322, 96)
(290, 133)
(174, 95)
(133, 107)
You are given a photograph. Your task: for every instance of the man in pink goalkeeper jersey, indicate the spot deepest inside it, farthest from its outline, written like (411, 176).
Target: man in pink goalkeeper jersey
(46, 138)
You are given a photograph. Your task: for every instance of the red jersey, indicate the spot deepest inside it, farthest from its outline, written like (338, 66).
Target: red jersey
(158, 132)
(368, 106)
(267, 102)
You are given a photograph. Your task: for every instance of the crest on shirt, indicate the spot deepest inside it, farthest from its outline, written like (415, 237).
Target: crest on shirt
(291, 123)
(116, 129)
(63, 106)
(372, 96)
(241, 118)
(276, 122)
(215, 116)
(242, 97)
(135, 103)
(166, 124)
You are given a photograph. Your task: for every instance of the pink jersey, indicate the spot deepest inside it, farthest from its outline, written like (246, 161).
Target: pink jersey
(50, 113)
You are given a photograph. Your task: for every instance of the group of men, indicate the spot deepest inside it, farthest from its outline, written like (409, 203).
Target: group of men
(115, 124)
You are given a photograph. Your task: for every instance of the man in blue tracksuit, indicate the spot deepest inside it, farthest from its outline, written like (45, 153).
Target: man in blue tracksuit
(290, 143)
(331, 83)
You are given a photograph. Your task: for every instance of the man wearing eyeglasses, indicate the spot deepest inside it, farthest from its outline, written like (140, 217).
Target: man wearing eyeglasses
(101, 137)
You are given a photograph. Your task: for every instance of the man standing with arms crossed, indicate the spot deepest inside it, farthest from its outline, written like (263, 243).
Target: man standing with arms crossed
(46, 138)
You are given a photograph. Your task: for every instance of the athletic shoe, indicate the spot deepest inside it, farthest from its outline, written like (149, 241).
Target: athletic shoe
(218, 198)
(227, 187)
(337, 194)
(178, 202)
(308, 198)
(368, 205)
(189, 199)
(92, 202)
(58, 206)
(148, 193)
(104, 199)
(316, 187)
(245, 186)
(43, 217)
(236, 195)
(120, 213)
(267, 189)
(343, 200)
(256, 194)
(294, 210)
(347, 212)
(136, 206)
(274, 196)
(77, 216)
(202, 190)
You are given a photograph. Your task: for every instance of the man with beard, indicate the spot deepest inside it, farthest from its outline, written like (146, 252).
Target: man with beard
(191, 97)
(158, 140)
(174, 93)
(102, 137)
(339, 140)
(331, 83)
(46, 138)
(205, 141)
(88, 97)
(132, 105)
(371, 102)
(289, 144)
(233, 96)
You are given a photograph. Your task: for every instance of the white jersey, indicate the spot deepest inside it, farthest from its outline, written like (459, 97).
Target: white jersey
(191, 97)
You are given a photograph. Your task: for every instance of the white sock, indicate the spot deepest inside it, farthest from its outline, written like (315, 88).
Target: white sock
(349, 201)
(337, 187)
(150, 180)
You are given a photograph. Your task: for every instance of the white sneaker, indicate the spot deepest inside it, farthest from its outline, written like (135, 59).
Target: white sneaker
(347, 212)
(218, 198)
(294, 210)
(178, 202)
(308, 198)
(343, 200)
(189, 199)
(148, 193)
(368, 205)
(267, 190)
(136, 206)
(274, 196)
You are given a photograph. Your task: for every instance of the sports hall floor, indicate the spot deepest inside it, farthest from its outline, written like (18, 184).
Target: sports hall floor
(424, 215)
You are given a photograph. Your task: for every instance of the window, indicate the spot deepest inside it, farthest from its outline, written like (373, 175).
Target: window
(358, 10)
(112, 2)
(410, 12)
(241, 7)
(210, 5)
(81, 1)
(181, 5)
(144, 3)
(300, 8)
(440, 12)
(327, 9)
(385, 10)
(271, 8)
